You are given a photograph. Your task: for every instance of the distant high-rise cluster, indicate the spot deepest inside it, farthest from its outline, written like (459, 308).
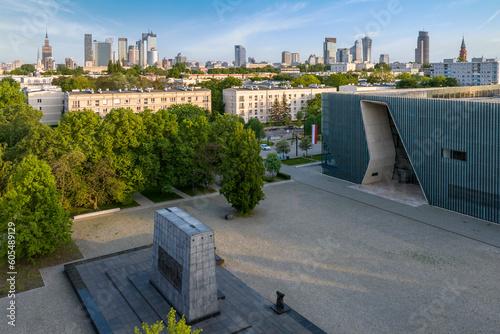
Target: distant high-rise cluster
(240, 56)
(422, 50)
(88, 57)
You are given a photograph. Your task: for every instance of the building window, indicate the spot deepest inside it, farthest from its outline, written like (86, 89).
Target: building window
(452, 154)
(76, 104)
(145, 101)
(152, 100)
(138, 108)
(189, 99)
(242, 98)
(117, 101)
(138, 100)
(89, 102)
(40, 108)
(104, 102)
(97, 103)
(183, 99)
(39, 101)
(172, 99)
(127, 101)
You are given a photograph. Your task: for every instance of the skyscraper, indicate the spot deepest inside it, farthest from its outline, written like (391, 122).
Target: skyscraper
(330, 50)
(463, 51)
(145, 44)
(122, 51)
(356, 52)
(133, 55)
(103, 53)
(153, 57)
(286, 58)
(88, 50)
(240, 56)
(295, 58)
(367, 49)
(384, 58)
(46, 49)
(422, 50)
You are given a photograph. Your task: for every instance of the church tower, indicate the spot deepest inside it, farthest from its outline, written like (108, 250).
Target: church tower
(463, 51)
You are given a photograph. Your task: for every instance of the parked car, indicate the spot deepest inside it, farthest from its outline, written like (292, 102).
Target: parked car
(290, 127)
(265, 147)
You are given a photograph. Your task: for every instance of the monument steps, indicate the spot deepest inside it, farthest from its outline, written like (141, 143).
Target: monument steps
(133, 297)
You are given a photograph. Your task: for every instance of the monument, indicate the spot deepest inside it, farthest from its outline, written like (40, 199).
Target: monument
(184, 264)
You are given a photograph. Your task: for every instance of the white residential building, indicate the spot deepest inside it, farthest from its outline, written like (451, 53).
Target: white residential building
(477, 72)
(342, 67)
(257, 101)
(48, 99)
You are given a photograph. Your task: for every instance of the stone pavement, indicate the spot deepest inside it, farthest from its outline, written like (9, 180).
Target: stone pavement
(348, 261)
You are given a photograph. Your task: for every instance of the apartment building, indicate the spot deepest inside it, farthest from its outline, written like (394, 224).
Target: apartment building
(257, 101)
(477, 72)
(48, 99)
(136, 99)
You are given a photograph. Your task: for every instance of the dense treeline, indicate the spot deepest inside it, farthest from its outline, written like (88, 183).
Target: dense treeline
(87, 161)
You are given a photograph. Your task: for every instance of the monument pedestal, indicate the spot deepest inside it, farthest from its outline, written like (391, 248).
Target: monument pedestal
(184, 264)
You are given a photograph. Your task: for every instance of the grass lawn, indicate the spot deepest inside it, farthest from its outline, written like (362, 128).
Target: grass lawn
(315, 157)
(271, 179)
(28, 275)
(265, 142)
(296, 161)
(198, 190)
(155, 195)
(114, 205)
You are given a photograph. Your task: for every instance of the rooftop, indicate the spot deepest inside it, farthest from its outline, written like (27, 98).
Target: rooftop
(275, 87)
(138, 90)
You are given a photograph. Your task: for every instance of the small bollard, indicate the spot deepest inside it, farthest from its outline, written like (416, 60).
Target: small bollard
(280, 307)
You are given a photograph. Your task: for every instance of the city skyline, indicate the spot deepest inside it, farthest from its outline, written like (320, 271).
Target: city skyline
(211, 29)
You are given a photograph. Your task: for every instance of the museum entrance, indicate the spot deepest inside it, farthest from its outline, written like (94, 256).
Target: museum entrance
(389, 173)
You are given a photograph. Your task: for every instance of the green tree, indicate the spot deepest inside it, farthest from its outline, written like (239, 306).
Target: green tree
(426, 65)
(16, 122)
(208, 160)
(280, 111)
(119, 139)
(5, 171)
(406, 80)
(313, 107)
(257, 127)
(10, 93)
(28, 68)
(305, 144)
(68, 173)
(32, 204)
(383, 67)
(283, 147)
(306, 80)
(272, 163)
(102, 183)
(300, 117)
(242, 171)
(313, 119)
(173, 326)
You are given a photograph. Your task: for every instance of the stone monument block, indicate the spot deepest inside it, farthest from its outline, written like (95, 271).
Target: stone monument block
(184, 264)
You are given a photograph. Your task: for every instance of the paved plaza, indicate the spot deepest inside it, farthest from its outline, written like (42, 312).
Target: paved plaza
(347, 260)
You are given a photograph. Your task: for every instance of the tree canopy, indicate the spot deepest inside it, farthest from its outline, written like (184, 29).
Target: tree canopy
(10, 93)
(242, 172)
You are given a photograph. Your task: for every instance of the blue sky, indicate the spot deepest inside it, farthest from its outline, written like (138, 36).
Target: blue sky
(208, 30)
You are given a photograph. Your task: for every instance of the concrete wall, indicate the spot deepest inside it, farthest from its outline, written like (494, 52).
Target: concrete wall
(379, 141)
